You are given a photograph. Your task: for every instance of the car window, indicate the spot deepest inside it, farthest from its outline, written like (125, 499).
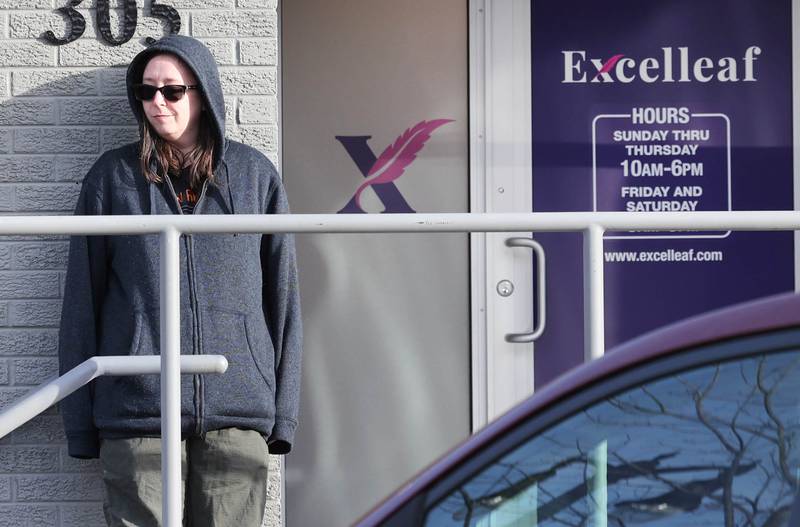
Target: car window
(713, 446)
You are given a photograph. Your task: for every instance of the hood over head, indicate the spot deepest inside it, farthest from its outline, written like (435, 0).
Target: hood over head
(200, 61)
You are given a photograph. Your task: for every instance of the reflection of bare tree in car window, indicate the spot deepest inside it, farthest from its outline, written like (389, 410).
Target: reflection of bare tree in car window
(713, 446)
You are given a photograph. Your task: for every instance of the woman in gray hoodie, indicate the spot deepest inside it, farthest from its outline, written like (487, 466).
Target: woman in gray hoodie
(239, 298)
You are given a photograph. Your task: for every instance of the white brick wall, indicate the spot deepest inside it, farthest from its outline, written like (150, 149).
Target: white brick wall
(60, 108)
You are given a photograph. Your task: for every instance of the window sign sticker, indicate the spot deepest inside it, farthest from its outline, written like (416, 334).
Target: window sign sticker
(650, 107)
(662, 159)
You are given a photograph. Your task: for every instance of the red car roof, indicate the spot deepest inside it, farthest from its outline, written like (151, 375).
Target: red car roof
(771, 313)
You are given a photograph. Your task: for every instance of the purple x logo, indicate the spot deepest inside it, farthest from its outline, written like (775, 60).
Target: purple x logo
(381, 172)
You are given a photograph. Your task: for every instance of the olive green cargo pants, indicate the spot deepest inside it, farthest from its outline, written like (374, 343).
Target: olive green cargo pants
(224, 476)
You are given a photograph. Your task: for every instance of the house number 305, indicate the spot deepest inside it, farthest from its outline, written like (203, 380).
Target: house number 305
(77, 23)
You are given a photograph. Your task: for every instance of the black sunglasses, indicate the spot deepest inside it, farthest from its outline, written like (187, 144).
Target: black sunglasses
(171, 92)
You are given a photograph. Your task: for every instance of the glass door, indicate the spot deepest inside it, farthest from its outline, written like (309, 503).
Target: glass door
(376, 89)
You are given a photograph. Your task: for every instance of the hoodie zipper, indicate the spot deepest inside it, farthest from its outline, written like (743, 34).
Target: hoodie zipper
(197, 380)
(198, 319)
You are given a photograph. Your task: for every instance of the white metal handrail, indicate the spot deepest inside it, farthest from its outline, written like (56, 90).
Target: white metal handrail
(40, 399)
(451, 222)
(592, 224)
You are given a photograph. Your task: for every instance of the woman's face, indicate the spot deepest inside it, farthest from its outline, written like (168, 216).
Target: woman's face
(175, 121)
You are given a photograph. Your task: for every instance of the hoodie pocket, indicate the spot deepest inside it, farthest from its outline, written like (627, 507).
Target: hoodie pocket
(261, 350)
(243, 390)
(121, 398)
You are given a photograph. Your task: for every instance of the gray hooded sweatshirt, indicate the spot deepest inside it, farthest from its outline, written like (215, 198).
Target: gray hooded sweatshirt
(239, 293)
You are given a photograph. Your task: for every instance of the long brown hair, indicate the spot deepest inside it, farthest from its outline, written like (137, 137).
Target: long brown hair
(170, 160)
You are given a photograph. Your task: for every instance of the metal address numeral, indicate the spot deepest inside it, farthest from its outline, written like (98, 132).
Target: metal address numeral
(77, 25)
(128, 25)
(170, 14)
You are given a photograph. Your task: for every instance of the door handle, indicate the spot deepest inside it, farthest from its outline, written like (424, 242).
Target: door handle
(538, 251)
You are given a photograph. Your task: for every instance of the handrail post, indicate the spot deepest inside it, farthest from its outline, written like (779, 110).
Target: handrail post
(170, 378)
(593, 307)
(594, 348)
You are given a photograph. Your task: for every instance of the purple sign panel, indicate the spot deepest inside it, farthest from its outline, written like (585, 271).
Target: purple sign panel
(660, 106)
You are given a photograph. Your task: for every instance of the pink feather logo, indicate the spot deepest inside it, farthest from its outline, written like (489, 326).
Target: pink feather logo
(608, 65)
(393, 161)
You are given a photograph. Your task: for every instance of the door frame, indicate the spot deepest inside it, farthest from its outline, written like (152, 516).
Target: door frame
(500, 157)
(500, 181)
